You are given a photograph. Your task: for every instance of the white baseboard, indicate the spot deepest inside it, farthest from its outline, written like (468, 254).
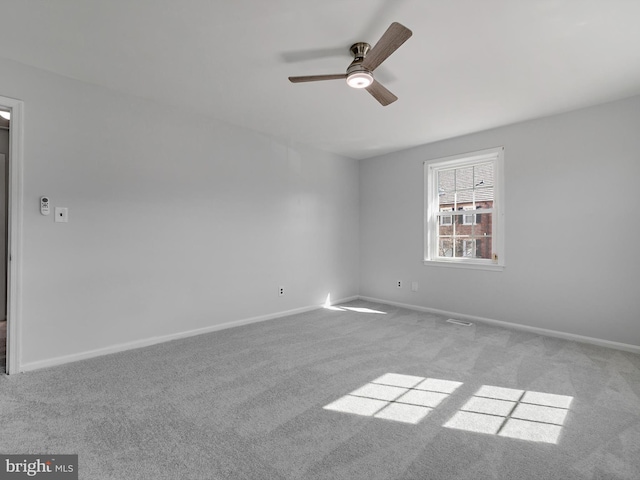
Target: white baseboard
(121, 347)
(513, 326)
(51, 362)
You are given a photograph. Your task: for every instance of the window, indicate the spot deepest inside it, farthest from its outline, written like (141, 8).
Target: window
(464, 210)
(468, 219)
(446, 219)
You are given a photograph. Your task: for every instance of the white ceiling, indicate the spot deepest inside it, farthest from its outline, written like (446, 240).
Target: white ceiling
(470, 65)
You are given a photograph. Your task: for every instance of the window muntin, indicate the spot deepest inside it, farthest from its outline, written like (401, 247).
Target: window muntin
(455, 187)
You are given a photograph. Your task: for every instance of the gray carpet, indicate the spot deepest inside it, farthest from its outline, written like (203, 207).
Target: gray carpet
(248, 403)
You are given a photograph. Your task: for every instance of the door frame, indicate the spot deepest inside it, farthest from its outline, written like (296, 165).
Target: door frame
(14, 234)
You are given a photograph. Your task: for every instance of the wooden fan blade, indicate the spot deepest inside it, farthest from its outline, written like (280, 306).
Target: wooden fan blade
(317, 78)
(390, 41)
(380, 93)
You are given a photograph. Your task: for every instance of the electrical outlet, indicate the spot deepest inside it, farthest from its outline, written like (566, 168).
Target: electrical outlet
(399, 284)
(281, 291)
(414, 286)
(62, 214)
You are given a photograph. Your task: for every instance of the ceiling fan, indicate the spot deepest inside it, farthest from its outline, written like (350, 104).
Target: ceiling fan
(366, 60)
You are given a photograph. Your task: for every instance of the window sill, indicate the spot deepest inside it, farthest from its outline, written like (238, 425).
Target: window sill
(467, 265)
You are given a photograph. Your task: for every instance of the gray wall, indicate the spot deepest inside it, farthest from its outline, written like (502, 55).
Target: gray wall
(179, 222)
(176, 222)
(572, 259)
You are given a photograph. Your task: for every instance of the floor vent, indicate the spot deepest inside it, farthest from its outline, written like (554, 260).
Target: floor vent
(459, 322)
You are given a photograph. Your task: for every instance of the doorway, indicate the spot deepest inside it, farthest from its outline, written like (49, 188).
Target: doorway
(11, 252)
(5, 122)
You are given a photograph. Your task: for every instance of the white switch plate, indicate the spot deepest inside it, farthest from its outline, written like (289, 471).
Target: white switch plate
(414, 286)
(62, 214)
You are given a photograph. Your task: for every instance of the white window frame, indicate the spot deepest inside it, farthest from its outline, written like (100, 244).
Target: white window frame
(432, 208)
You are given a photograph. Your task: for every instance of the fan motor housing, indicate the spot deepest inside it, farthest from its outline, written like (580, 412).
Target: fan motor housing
(359, 50)
(357, 75)
(357, 68)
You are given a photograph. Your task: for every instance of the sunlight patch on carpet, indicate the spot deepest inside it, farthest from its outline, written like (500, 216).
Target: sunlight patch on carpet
(397, 397)
(328, 306)
(512, 413)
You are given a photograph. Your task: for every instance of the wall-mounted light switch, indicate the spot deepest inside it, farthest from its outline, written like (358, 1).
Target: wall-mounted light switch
(62, 214)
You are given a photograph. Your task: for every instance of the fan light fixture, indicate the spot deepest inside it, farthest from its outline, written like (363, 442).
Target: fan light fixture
(359, 74)
(360, 79)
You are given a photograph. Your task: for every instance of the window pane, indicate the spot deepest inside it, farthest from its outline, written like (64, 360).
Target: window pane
(446, 187)
(483, 175)
(462, 247)
(445, 247)
(464, 178)
(469, 248)
(483, 247)
(484, 225)
(464, 198)
(445, 230)
(484, 197)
